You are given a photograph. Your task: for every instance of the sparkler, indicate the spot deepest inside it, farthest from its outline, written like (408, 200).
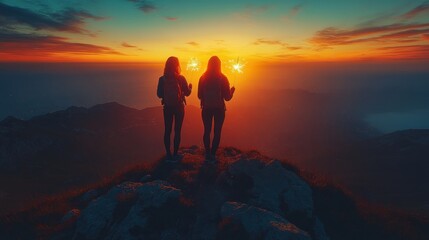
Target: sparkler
(193, 67)
(236, 66)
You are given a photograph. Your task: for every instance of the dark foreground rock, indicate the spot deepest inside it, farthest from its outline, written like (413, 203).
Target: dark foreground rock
(242, 197)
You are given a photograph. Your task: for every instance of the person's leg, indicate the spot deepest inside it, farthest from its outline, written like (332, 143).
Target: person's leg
(178, 121)
(168, 125)
(207, 116)
(219, 117)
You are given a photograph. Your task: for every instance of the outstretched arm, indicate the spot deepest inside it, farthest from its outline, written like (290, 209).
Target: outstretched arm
(200, 88)
(186, 89)
(227, 92)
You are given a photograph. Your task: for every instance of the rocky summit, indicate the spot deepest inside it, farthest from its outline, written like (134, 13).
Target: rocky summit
(243, 196)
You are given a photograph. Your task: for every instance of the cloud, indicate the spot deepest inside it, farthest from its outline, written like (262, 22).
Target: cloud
(291, 57)
(294, 48)
(33, 44)
(262, 41)
(406, 52)
(124, 44)
(144, 5)
(171, 18)
(403, 34)
(422, 8)
(220, 42)
(127, 45)
(394, 32)
(192, 43)
(68, 20)
(293, 12)
(251, 12)
(425, 36)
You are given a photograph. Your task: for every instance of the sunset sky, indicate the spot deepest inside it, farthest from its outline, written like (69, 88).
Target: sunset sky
(265, 31)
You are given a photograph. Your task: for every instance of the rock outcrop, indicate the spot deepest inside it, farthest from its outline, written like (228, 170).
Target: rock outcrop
(260, 223)
(242, 197)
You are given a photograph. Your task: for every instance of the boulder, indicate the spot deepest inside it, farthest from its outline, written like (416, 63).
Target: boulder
(99, 217)
(146, 178)
(319, 230)
(271, 186)
(259, 223)
(88, 196)
(71, 216)
(125, 211)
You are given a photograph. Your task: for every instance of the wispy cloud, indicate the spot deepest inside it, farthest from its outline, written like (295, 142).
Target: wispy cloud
(124, 44)
(294, 48)
(262, 41)
(192, 43)
(68, 20)
(406, 52)
(171, 18)
(290, 57)
(390, 29)
(127, 45)
(33, 44)
(145, 6)
(422, 8)
(394, 32)
(251, 11)
(425, 36)
(220, 42)
(284, 45)
(293, 12)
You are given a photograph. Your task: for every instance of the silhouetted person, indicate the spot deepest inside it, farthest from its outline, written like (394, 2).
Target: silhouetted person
(213, 90)
(172, 89)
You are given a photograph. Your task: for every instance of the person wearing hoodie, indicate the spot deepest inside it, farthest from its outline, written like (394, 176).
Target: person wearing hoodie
(213, 90)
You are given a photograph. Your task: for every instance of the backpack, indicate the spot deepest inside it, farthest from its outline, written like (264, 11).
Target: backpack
(172, 92)
(212, 94)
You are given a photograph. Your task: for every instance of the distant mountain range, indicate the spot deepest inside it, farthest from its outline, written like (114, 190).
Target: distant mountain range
(73, 147)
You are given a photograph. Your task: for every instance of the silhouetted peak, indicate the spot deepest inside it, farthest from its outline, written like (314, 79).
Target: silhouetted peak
(412, 132)
(111, 107)
(74, 109)
(10, 121)
(406, 136)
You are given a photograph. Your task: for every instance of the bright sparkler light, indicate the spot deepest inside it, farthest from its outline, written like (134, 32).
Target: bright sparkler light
(193, 65)
(236, 65)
